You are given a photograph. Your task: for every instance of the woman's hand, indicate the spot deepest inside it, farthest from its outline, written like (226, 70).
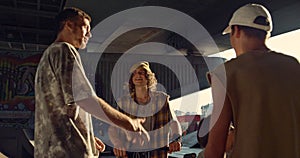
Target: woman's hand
(174, 146)
(99, 144)
(120, 151)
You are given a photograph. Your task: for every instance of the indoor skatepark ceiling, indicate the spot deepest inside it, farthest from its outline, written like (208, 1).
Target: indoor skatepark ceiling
(27, 25)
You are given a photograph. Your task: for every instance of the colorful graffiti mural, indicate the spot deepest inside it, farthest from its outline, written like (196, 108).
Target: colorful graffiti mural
(17, 72)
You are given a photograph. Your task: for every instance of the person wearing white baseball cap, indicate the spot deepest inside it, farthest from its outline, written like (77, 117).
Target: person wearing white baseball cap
(259, 93)
(251, 15)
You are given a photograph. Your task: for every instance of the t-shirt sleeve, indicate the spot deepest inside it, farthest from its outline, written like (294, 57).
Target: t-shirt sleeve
(69, 70)
(81, 86)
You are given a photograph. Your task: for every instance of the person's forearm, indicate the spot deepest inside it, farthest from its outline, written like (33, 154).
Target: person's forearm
(115, 116)
(103, 111)
(175, 127)
(213, 152)
(176, 131)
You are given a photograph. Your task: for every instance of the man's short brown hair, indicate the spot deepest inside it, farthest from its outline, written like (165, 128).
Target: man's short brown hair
(251, 32)
(69, 14)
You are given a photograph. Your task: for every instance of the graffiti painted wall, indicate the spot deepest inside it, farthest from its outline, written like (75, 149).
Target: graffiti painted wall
(17, 72)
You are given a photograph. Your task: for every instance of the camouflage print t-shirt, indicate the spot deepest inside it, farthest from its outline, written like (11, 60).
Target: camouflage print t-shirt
(62, 128)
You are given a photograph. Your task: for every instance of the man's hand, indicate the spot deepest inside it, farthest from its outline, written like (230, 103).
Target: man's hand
(99, 144)
(138, 127)
(174, 146)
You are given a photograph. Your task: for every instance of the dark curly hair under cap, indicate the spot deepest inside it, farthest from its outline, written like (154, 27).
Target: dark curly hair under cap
(150, 76)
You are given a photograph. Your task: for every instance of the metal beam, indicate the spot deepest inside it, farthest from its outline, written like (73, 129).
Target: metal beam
(5, 9)
(62, 5)
(10, 42)
(33, 4)
(38, 7)
(15, 3)
(9, 45)
(27, 29)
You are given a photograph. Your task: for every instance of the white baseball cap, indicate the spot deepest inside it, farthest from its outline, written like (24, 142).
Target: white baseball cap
(251, 15)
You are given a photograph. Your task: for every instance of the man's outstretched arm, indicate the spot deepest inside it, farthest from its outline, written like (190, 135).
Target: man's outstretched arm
(103, 111)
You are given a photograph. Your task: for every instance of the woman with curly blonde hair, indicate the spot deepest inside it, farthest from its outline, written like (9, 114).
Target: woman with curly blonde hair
(144, 69)
(144, 101)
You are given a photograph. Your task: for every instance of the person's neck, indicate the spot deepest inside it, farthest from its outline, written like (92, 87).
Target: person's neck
(252, 46)
(141, 92)
(63, 37)
(141, 95)
(60, 38)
